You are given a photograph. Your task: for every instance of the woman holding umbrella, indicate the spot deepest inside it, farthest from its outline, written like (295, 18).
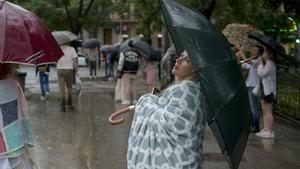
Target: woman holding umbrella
(167, 130)
(267, 72)
(15, 129)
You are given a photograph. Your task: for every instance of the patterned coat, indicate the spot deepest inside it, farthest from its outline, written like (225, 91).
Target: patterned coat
(15, 129)
(167, 131)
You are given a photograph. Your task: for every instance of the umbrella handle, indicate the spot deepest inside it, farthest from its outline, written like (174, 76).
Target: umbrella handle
(113, 118)
(246, 60)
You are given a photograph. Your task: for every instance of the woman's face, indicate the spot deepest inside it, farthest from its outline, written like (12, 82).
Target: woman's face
(183, 67)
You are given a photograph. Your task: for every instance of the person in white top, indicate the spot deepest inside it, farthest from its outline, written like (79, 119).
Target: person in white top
(66, 67)
(251, 81)
(267, 72)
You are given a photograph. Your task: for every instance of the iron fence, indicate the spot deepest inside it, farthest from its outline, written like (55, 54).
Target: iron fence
(288, 97)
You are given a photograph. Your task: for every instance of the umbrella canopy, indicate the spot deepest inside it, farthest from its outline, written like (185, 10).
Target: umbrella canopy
(91, 43)
(238, 34)
(108, 48)
(63, 37)
(124, 45)
(24, 38)
(268, 42)
(228, 112)
(144, 49)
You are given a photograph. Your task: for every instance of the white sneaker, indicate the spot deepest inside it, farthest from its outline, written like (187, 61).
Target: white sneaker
(43, 98)
(265, 134)
(47, 93)
(125, 102)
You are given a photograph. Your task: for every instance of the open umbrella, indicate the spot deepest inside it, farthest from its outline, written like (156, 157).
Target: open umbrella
(24, 38)
(108, 48)
(144, 49)
(63, 37)
(124, 45)
(219, 74)
(268, 42)
(238, 34)
(91, 43)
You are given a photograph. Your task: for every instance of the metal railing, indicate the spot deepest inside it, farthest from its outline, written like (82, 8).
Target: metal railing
(288, 95)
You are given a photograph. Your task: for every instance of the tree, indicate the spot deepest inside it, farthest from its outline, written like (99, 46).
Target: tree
(70, 15)
(148, 14)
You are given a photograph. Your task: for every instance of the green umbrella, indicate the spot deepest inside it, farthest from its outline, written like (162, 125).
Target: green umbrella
(219, 74)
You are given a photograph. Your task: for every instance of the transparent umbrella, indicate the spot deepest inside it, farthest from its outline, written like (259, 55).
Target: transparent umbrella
(63, 37)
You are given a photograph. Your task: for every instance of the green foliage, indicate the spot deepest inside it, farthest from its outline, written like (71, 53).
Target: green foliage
(148, 14)
(72, 15)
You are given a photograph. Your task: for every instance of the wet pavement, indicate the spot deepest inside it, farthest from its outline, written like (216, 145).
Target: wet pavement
(84, 140)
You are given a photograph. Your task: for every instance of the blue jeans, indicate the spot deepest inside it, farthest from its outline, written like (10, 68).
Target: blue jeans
(44, 82)
(253, 100)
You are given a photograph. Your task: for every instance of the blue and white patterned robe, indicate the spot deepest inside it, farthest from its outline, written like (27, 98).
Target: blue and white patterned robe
(167, 131)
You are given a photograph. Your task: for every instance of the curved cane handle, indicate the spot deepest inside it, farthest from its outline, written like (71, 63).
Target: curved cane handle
(113, 118)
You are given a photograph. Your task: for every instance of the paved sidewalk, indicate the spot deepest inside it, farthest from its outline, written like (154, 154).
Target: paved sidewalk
(279, 153)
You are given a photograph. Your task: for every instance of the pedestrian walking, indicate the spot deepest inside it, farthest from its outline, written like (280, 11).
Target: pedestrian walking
(149, 73)
(167, 130)
(128, 67)
(67, 67)
(252, 80)
(15, 129)
(43, 71)
(267, 73)
(111, 61)
(93, 57)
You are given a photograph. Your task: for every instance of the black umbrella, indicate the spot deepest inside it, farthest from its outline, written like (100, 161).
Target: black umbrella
(108, 48)
(268, 42)
(124, 45)
(144, 49)
(228, 112)
(91, 43)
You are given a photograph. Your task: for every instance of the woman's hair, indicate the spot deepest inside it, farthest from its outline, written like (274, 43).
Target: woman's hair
(5, 70)
(260, 49)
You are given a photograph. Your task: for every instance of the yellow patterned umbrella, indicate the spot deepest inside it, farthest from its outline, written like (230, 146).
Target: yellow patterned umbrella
(237, 33)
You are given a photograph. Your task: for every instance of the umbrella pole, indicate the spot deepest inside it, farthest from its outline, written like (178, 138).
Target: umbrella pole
(246, 60)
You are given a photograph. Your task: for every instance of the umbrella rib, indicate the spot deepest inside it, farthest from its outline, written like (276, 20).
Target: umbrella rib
(35, 56)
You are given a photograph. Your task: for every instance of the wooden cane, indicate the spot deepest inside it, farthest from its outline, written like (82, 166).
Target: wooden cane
(113, 118)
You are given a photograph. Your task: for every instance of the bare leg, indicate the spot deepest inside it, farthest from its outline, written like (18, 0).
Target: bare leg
(268, 113)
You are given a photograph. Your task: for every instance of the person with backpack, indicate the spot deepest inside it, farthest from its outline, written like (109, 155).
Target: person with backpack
(128, 66)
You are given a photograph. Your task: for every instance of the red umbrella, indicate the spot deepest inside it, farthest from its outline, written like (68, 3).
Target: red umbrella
(24, 38)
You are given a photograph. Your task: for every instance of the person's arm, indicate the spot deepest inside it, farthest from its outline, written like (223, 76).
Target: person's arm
(75, 60)
(121, 61)
(246, 66)
(170, 115)
(264, 70)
